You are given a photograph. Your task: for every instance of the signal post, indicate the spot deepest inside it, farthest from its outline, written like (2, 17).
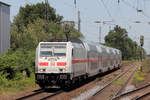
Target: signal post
(141, 43)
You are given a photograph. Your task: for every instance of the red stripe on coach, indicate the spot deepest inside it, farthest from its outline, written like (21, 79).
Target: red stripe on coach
(83, 60)
(88, 60)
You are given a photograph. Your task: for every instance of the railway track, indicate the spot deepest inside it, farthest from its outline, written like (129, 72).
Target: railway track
(135, 94)
(124, 85)
(121, 88)
(41, 95)
(142, 96)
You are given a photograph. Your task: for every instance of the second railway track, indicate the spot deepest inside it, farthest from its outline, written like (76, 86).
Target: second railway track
(100, 95)
(136, 94)
(41, 95)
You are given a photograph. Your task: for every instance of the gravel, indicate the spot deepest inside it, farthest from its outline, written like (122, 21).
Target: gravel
(87, 94)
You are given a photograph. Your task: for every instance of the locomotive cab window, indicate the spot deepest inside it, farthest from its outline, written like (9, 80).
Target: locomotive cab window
(45, 53)
(60, 50)
(51, 50)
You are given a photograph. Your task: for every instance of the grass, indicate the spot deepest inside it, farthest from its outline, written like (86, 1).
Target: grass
(109, 79)
(115, 74)
(14, 86)
(140, 75)
(111, 95)
(127, 61)
(99, 78)
(119, 82)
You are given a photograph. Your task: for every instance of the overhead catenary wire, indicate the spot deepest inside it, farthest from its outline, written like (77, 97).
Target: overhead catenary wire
(109, 14)
(27, 2)
(128, 4)
(107, 9)
(144, 4)
(135, 8)
(137, 4)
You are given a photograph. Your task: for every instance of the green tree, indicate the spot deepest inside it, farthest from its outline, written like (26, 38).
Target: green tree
(35, 32)
(30, 27)
(119, 39)
(30, 13)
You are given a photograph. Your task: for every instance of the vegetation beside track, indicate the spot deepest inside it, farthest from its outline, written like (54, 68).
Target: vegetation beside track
(119, 82)
(16, 85)
(142, 72)
(118, 38)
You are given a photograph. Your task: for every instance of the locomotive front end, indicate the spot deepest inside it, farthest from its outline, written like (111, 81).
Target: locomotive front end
(53, 63)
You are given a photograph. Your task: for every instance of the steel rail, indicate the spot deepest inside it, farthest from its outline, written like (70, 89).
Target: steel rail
(131, 91)
(31, 95)
(50, 96)
(40, 92)
(120, 75)
(125, 84)
(142, 96)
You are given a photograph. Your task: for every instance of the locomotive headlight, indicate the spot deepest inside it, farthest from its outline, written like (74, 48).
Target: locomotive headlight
(42, 70)
(64, 70)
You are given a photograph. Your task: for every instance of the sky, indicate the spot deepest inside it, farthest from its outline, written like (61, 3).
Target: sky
(119, 12)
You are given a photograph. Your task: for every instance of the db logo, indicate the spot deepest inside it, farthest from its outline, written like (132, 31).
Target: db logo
(52, 64)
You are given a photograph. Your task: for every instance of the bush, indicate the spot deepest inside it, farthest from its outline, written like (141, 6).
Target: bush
(17, 84)
(13, 63)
